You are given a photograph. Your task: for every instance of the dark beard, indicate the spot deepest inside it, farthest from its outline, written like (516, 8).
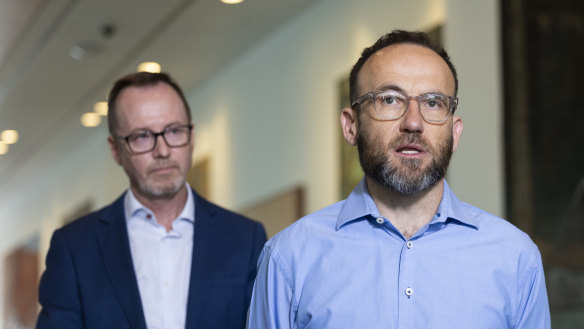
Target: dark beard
(410, 179)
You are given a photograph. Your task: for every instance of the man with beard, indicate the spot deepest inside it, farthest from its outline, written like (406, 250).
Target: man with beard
(401, 251)
(160, 256)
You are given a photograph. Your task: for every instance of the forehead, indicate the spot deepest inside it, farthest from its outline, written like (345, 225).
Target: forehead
(151, 104)
(413, 68)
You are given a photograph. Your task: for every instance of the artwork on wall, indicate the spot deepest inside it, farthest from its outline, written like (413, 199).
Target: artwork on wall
(278, 211)
(21, 284)
(198, 177)
(351, 171)
(80, 210)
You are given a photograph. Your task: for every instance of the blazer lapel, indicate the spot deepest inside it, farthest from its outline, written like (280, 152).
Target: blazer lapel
(202, 263)
(117, 257)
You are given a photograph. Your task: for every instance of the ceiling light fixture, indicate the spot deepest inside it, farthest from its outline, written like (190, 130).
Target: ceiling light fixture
(79, 51)
(9, 136)
(3, 148)
(90, 119)
(232, 2)
(100, 108)
(151, 67)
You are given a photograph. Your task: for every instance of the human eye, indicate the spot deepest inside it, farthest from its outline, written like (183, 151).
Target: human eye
(390, 99)
(140, 136)
(436, 102)
(172, 130)
(175, 130)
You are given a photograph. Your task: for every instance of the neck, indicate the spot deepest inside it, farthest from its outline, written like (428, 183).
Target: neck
(167, 208)
(408, 213)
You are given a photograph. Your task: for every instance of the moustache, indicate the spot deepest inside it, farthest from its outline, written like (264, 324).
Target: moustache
(162, 164)
(412, 139)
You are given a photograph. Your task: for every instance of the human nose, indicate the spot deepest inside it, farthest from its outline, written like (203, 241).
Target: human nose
(161, 149)
(412, 120)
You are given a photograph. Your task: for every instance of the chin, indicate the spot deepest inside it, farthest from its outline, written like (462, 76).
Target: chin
(164, 190)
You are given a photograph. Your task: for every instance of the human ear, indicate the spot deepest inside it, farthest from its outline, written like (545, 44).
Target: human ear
(114, 149)
(456, 131)
(350, 125)
(192, 143)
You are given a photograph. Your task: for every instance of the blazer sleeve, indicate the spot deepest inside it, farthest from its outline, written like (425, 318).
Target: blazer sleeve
(58, 290)
(259, 240)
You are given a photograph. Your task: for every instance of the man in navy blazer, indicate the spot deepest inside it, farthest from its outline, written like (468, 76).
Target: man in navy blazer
(160, 256)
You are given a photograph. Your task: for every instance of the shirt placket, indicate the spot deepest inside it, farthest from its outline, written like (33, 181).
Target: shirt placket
(406, 287)
(165, 266)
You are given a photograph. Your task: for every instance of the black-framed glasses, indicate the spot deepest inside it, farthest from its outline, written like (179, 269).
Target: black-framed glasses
(144, 141)
(392, 104)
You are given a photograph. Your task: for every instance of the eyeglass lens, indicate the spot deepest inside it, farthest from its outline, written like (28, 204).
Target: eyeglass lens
(145, 141)
(392, 105)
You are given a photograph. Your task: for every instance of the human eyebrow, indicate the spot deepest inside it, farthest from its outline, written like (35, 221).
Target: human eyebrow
(135, 132)
(140, 131)
(391, 87)
(435, 92)
(174, 124)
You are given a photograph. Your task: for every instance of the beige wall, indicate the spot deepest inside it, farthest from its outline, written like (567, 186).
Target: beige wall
(473, 41)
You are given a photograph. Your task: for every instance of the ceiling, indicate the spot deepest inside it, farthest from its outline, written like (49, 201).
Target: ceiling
(44, 90)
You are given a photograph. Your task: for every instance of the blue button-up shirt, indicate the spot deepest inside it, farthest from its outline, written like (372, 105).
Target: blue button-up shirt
(346, 266)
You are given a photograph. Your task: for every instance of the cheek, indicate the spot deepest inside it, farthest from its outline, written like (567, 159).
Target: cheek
(440, 137)
(383, 135)
(182, 157)
(135, 165)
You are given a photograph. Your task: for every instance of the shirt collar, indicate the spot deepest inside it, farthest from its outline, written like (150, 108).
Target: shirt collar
(451, 208)
(360, 205)
(133, 207)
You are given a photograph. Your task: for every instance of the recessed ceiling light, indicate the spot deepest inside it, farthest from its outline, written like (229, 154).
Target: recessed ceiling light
(232, 2)
(77, 52)
(3, 148)
(81, 50)
(9, 136)
(100, 108)
(151, 67)
(90, 119)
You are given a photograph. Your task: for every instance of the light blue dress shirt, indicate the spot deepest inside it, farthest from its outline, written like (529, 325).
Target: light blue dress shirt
(345, 266)
(162, 261)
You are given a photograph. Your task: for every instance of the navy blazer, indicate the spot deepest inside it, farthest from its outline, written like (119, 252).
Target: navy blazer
(90, 282)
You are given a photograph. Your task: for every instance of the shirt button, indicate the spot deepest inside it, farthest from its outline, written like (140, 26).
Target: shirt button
(409, 291)
(380, 220)
(409, 244)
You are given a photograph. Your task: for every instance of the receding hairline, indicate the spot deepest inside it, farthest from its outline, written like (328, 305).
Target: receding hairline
(139, 80)
(157, 84)
(145, 86)
(405, 44)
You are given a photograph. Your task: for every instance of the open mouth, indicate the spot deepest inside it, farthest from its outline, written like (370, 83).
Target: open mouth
(409, 150)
